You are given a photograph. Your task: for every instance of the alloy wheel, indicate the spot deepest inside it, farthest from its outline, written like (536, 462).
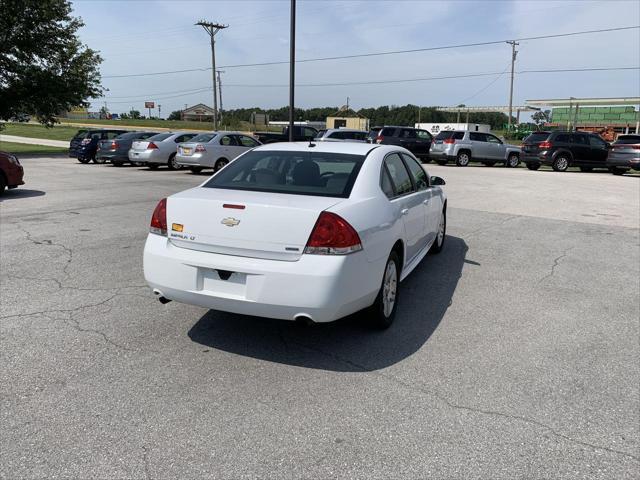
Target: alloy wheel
(389, 288)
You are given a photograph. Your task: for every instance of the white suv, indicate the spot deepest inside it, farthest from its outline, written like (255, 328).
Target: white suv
(463, 147)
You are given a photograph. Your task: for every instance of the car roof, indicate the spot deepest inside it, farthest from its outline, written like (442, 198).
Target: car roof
(352, 148)
(344, 130)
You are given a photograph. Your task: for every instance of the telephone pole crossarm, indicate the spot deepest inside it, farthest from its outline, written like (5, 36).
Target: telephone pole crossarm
(213, 28)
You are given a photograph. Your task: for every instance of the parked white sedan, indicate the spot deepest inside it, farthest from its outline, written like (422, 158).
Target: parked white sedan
(299, 231)
(213, 150)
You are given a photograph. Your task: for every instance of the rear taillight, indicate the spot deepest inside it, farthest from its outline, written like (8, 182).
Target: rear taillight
(449, 141)
(200, 148)
(332, 235)
(152, 146)
(545, 145)
(379, 139)
(159, 218)
(114, 145)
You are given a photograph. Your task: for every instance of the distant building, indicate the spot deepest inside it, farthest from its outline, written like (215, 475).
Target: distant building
(198, 113)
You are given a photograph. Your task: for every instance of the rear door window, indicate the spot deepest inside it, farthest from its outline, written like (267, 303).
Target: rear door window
(579, 139)
(227, 140)
(408, 133)
(323, 174)
(399, 174)
(562, 137)
(423, 135)
(388, 132)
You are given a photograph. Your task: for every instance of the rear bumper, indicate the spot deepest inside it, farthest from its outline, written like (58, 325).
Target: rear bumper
(541, 158)
(322, 288)
(14, 175)
(147, 156)
(111, 156)
(441, 155)
(628, 162)
(195, 160)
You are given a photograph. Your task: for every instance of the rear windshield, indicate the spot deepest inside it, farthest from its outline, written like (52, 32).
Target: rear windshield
(128, 135)
(160, 137)
(298, 173)
(537, 137)
(203, 137)
(82, 133)
(627, 140)
(450, 134)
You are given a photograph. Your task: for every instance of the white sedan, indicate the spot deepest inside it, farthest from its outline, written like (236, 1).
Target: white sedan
(299, 231)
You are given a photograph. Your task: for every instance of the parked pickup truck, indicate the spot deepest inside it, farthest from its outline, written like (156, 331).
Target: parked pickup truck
(300, 134)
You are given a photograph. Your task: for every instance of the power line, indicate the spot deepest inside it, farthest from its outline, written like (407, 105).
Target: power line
(377, 54)
(184, 93)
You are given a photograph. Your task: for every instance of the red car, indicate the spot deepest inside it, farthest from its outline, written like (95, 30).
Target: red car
(11, 171)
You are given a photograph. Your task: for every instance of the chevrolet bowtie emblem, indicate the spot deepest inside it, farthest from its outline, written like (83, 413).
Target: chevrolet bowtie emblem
(230, 221)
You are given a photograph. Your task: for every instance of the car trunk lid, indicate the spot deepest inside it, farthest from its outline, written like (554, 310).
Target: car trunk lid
(139, 145)
(244, 223)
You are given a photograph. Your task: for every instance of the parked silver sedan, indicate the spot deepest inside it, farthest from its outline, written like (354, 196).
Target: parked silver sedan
(159, 149)
(213, 150)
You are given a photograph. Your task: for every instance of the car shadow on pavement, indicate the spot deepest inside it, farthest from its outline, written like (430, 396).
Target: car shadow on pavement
(16, 193)
(349, 344)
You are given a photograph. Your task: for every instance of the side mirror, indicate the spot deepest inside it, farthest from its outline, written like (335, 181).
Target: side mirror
(435, 181)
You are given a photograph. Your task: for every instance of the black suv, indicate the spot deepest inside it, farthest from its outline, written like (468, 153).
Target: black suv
(84, 144)
(562, 149)
(415, 140)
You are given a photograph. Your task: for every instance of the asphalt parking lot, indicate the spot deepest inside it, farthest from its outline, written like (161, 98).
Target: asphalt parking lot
(514, 353)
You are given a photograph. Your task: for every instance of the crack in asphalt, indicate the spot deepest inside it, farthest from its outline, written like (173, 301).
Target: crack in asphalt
(456, 406)
(145, 459)
(556, 262)
(66, 249)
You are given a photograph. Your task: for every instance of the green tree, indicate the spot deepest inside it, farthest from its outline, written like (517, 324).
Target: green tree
(541, 117)
(135, 114)
(45, 69)
(175, 115)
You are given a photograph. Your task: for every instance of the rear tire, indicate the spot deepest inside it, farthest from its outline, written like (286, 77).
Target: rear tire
(384, 308)
(533, 166)
(98, 161)
(441, 234)
(513, 160)
(561, 163)
(617, 170)
(463, 159)
(195, 169)
(220, 164)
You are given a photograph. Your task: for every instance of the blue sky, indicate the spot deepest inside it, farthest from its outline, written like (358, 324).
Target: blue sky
(150, 36)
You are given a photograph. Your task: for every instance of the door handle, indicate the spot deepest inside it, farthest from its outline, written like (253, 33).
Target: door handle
(404, 211)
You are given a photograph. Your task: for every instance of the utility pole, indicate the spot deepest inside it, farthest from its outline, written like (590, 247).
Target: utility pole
(292, 67)
(220, 91)
(212, 29)
(159, 111)
(514, 54)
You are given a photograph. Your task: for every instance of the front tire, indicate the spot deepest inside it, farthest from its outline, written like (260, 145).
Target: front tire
(512, 161)
(173, 163)
(220, 164)
(99, 161)
(463, 159)
(438, 243)
(384, 308)
(561, 163)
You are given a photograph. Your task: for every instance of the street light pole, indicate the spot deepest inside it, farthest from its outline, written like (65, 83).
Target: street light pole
(292, 67)
(212, 29)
